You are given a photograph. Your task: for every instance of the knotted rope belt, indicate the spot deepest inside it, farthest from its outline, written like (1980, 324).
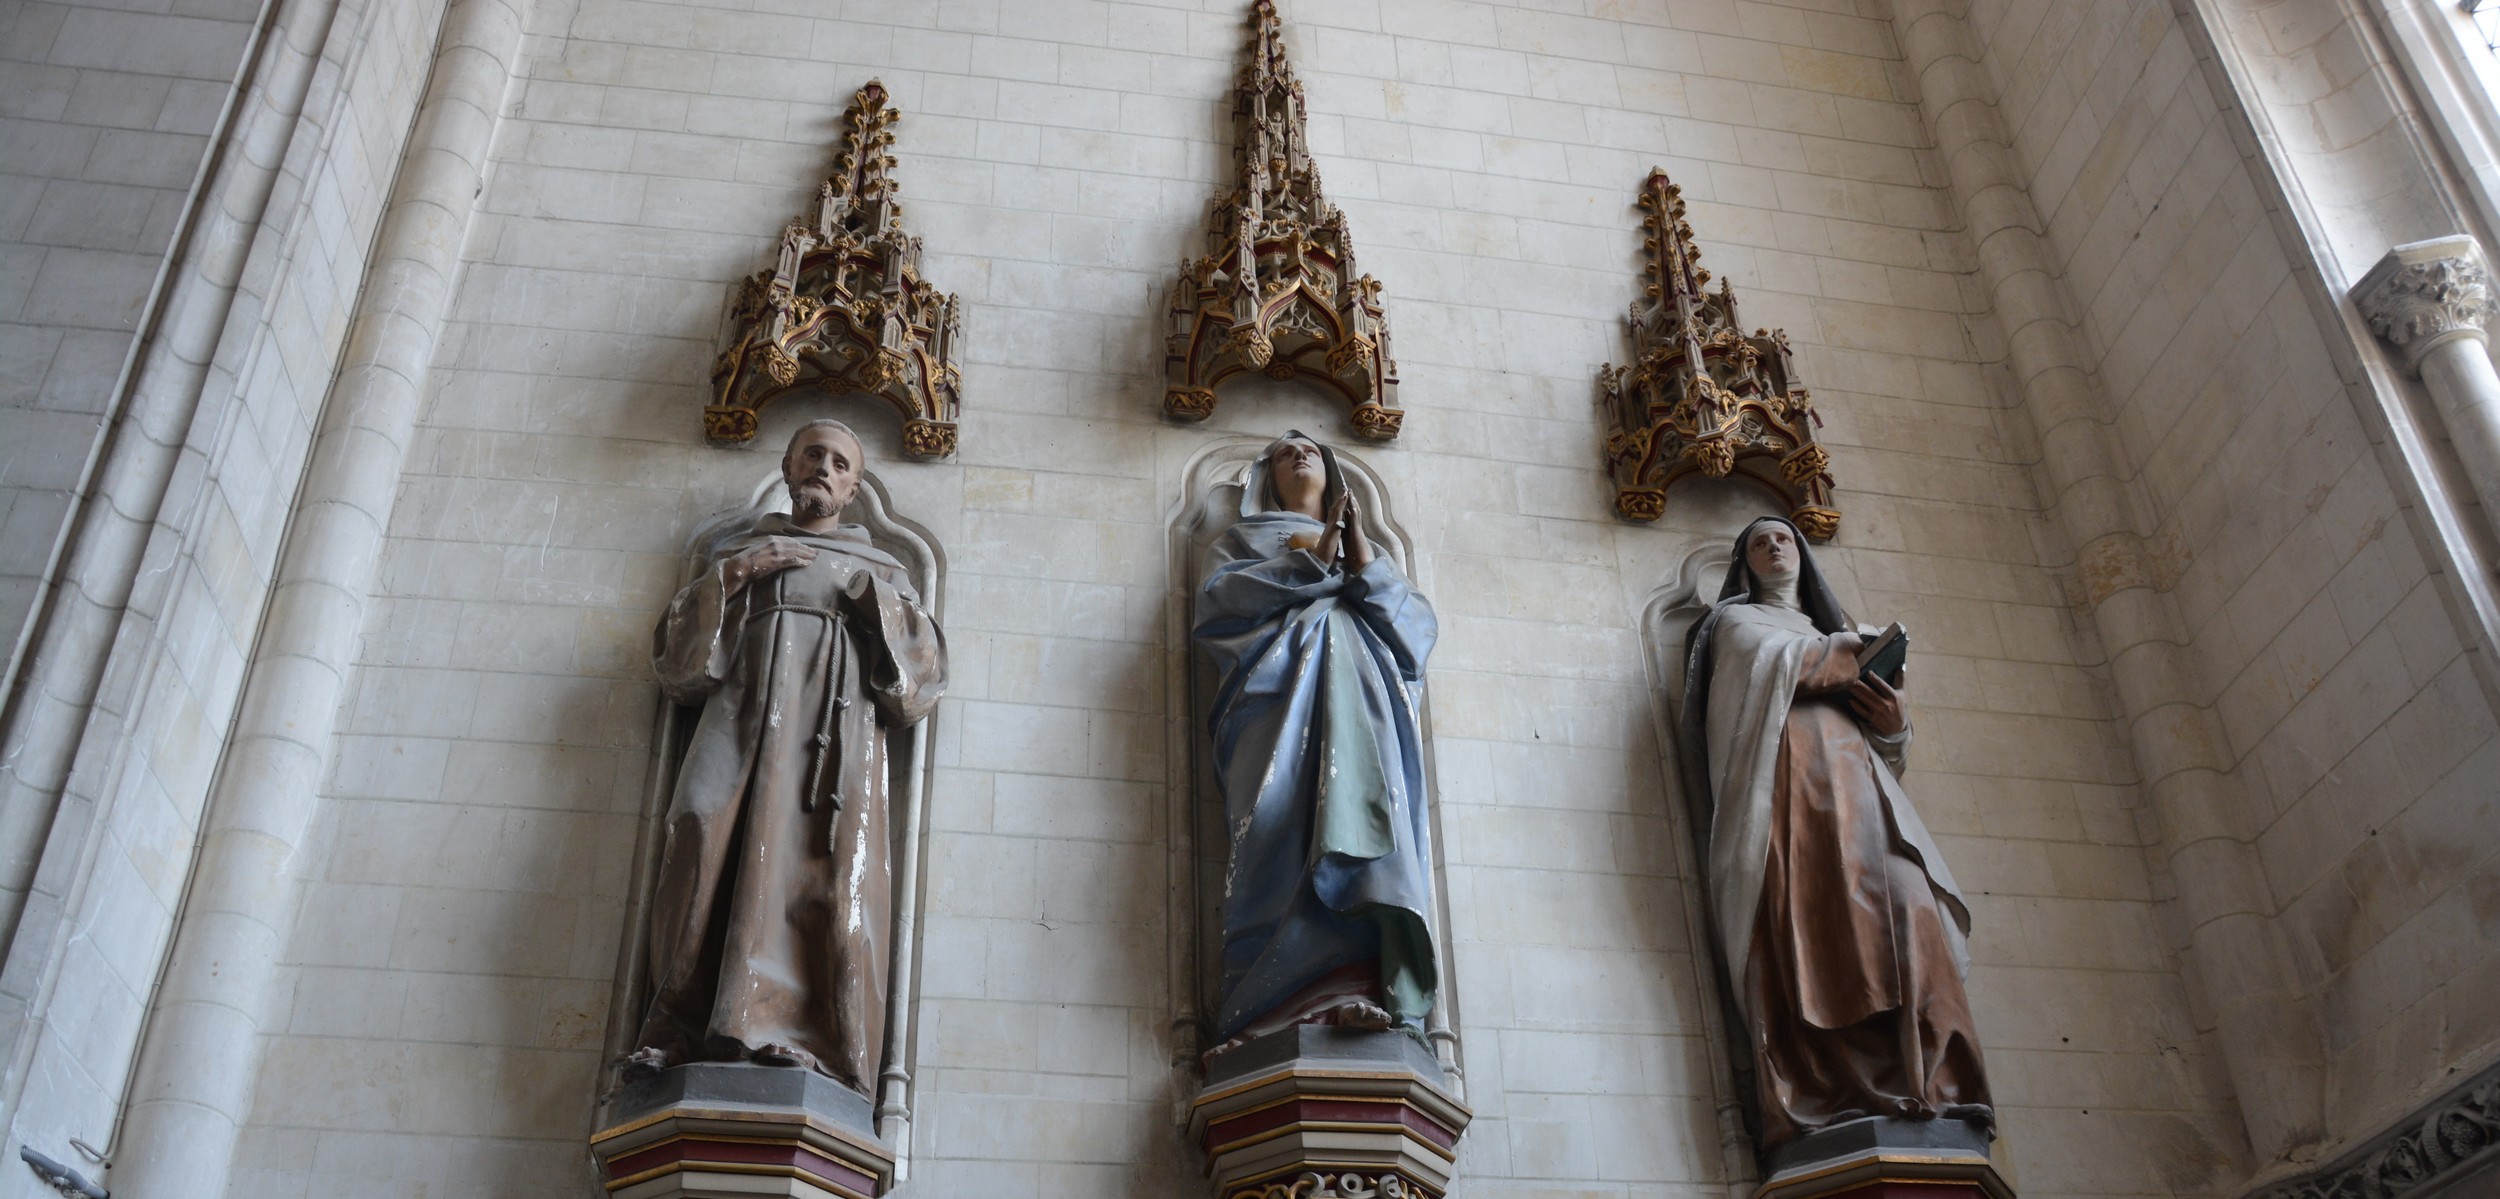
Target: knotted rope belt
(837, 674)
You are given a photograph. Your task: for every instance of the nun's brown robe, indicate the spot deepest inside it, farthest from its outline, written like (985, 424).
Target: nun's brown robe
(771, 910)
(1853, 984)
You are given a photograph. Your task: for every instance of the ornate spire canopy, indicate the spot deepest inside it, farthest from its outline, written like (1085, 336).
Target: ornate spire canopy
(1277, 291)
(846, 309)
(1702, 396)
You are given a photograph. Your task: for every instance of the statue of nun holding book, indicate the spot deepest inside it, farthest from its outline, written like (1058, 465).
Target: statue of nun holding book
(1840, 927)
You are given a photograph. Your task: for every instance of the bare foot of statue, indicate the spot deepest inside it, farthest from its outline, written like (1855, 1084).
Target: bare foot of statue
(1371, 1017)
(775, 1054)
(1971, 1113)
(643, 1063)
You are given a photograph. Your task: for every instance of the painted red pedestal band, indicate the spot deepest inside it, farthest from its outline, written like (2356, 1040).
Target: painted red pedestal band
(1906, 1189)
(1233, 1130)
(1903, 1190)
(698, 1152)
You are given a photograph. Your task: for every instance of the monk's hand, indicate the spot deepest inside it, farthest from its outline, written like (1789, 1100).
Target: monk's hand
(1332, 532)
(1358, 548)
(769, 556)
(1880, 705)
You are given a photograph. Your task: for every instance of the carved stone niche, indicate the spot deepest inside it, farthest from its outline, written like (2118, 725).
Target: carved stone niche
(1277, 291)
(845, 308)
(1702, 396)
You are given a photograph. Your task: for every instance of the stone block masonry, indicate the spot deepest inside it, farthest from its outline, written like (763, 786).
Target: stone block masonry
(439, 936)
(1060, 157)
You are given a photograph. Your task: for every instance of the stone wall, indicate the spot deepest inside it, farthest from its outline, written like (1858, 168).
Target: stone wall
(2359, 737)
(105, 115)
(449, 972)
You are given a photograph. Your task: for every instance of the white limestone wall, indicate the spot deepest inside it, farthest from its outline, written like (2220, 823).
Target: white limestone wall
(2319, 632)
(86, 951)
(450, 967)
(105, 114)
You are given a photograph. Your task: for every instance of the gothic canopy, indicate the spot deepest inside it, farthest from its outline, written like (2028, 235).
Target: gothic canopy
(1701, 396)
(846, 308)
(1277, 291)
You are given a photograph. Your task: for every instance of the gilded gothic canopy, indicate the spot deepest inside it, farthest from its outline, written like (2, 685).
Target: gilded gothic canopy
(1702, 396)
(1277, 291)
(846, 309)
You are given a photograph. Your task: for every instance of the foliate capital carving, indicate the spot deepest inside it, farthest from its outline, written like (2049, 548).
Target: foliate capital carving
(844, 307)
(1346, 1185)
(2453, 1137)
(1701, 396)
(1277, 292)
(1189, 403)
(929, 439)
(2426, 293)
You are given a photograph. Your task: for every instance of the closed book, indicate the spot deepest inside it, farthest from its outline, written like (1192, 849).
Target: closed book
(1882, 657)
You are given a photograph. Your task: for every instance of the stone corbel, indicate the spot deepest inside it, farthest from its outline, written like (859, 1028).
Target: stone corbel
(1277, 291)
(1703, 397)
(845, 308)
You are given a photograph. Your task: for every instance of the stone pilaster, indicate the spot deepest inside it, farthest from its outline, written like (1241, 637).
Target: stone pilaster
(192, 1089)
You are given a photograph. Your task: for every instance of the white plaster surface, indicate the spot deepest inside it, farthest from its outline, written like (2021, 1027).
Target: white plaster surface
(443, 995)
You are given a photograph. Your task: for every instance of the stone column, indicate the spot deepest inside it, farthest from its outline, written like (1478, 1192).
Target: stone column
(200, 1051)
(2262, 1015)
(2432, 301)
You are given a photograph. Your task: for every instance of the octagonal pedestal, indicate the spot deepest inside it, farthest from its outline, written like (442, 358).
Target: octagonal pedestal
(1887, 1159)
(1324, 1113)
(725, 1131)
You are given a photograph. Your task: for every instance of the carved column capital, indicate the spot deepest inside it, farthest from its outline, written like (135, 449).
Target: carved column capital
(2427, 293)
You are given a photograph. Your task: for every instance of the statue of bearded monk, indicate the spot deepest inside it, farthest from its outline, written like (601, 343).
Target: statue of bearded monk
(770, 917)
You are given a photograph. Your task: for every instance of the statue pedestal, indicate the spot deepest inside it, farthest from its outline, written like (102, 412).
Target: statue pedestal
(1365, 1112)
(1881, 1158)
(713, 1130)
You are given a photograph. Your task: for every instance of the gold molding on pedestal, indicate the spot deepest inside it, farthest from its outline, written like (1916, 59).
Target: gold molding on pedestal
(845, 309)
(1277, 291)
(1702, 396)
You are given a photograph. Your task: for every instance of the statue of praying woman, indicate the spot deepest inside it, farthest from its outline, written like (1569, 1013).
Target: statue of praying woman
(1318, 644)
(1841, 929)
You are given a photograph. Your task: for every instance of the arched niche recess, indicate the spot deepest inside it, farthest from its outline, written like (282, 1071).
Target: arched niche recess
(673, 725)
(1208, 503)
(1667, 620)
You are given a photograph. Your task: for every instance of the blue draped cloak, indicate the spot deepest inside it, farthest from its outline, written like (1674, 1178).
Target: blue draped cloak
(1320, 763)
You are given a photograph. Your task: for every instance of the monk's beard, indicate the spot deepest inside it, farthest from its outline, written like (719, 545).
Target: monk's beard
(812, 501)
(1778, 590)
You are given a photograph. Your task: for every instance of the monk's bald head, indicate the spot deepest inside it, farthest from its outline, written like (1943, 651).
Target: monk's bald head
(821, 468)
